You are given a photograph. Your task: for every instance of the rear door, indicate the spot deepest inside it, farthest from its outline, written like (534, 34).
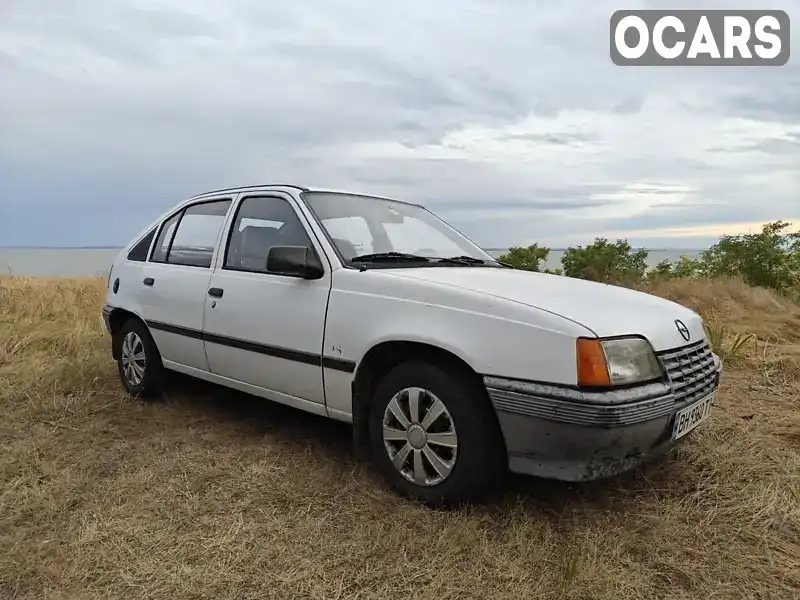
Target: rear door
(266, 329)
(175, 280)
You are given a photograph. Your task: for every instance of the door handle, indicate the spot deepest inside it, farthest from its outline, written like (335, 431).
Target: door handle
(216, 292)
(148, 281)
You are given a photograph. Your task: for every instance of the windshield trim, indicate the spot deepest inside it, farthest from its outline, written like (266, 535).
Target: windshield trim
(359, 266)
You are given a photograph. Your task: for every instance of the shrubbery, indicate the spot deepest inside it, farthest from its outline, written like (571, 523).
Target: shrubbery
(606, 262)
(528, 258)
(767, 259)
(770, 259)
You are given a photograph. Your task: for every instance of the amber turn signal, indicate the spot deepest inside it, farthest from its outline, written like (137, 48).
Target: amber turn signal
(592, 366)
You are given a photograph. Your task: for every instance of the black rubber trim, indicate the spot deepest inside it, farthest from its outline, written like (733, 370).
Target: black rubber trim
(338, 364)
(285, 353)
(307, 358)
(185, 331)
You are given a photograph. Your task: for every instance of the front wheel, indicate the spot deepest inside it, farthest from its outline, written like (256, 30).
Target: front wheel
(434, 436)
(138, 360)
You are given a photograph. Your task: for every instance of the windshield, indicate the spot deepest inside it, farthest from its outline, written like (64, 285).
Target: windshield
(365, 225)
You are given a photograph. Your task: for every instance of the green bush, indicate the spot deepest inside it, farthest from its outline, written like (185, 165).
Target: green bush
(685, 267)
(526, 258)
(606, 262)
(662, 271)
(768, 259)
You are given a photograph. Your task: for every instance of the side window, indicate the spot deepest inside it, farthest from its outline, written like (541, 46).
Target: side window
(139, 251)
(261, 223)
(164, 239)
(351, 235)
(194, 241)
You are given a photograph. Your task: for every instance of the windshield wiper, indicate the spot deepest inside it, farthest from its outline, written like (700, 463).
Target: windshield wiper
(389, 257)
(462, 260)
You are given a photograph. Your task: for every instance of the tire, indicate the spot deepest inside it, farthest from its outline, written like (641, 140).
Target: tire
(478, 462)
(140, 378)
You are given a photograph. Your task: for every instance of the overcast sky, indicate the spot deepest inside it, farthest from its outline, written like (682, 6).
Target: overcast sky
(506, 117)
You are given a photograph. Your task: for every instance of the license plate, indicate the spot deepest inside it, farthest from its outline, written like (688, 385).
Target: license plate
(691, 416)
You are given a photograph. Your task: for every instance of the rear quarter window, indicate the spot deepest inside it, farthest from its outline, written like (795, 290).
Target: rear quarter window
(139, 252)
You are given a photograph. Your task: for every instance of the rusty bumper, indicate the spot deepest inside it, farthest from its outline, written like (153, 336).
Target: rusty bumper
(565, 433)
(107, 308)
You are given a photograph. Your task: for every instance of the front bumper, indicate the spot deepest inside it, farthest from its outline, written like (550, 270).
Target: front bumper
(107, 308)
(565, 433)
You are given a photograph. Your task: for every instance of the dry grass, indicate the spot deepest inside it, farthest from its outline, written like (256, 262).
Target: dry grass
(213, 494)
(733, 309)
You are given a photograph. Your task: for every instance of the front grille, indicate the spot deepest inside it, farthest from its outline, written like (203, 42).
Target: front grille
(691, 371)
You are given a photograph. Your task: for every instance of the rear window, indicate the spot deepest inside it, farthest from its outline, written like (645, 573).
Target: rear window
(190, 237)
(165, 239)
(194, 243)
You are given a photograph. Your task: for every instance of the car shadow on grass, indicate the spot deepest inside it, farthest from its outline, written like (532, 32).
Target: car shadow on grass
(254, 416)
(614, 494)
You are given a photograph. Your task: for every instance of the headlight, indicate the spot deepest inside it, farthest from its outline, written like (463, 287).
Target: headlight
(618, 361)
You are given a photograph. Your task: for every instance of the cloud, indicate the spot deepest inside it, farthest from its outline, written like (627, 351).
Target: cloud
(699, 231)
(507, 119)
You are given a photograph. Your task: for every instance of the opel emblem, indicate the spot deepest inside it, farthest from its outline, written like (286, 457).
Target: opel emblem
(682, 329)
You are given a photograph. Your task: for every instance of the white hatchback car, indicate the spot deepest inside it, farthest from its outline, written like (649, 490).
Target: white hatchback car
(451, 367)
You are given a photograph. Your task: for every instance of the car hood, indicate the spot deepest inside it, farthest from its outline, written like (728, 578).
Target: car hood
(606, 310)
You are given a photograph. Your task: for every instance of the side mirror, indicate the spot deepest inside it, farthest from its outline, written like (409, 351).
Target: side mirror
(295, 261)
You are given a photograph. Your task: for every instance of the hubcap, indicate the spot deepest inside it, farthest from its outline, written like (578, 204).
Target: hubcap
(133, 359)
(420, 437)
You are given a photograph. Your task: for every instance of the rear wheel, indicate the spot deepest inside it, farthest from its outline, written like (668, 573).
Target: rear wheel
(138, 362)
(433, 435)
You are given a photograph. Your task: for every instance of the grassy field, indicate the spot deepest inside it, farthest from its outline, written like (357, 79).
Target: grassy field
(214, 494)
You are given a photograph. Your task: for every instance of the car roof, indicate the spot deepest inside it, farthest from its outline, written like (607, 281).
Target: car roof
(241, 188)
(283, 186)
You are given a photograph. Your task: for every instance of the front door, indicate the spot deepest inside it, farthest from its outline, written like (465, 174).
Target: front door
(262, 328)
(173, 283)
